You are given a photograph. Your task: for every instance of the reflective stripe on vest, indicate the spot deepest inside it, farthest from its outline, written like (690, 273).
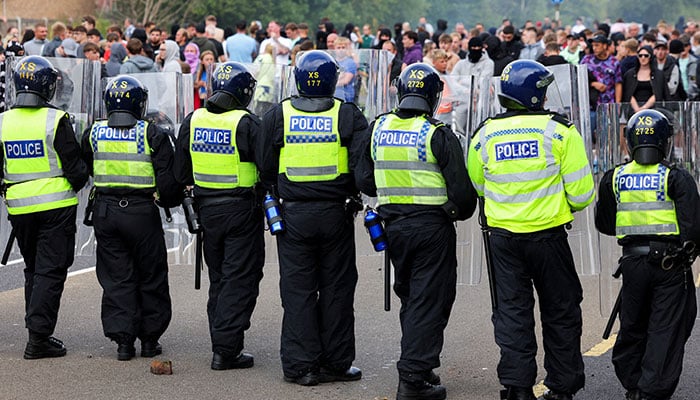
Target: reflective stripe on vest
(216, 159)
(405, 169)
(122, 157)
(312, 151)
(32, 169)
(644, 207)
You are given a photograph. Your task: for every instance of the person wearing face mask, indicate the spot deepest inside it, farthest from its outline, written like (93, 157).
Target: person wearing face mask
(476, 63)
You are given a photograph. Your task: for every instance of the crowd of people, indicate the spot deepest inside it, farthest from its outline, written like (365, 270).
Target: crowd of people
(316, 153)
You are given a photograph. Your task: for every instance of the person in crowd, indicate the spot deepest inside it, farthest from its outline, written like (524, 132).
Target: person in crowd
(40, 195)
(644, 85)
(396, 61)
(480, 66)
(551, 55)
(241, 47)
(117, 55)
(413, 50)
(532, 49)
(223, 175)
(652, 219)
(628, 48)
(345, 87)
(526, 206)
(419, 220)
(314, 179)
(672, 74)
(168, 57)
(35, 45)
(206, 60)
(136, 62)
(59, 31)
(282, 46)
(510, 44)
(130, 170)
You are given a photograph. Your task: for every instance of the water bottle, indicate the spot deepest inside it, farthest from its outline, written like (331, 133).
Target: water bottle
(273, 214)
(191, 216)
(373, 223)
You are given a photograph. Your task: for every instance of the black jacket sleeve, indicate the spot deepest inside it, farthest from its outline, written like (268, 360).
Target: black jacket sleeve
(364, 170)
(684, 192)
(163, 160)
(269, 145)
(462, 197)
(606, 206)
(68, 150)
(183, 160)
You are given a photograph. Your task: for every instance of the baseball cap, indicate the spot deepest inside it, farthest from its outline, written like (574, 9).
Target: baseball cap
(660, 44)
(70, 47)
(600, 39)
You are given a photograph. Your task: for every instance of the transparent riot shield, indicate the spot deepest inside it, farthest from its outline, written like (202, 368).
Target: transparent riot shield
(612, 119)
(568, 95)
(78, 94)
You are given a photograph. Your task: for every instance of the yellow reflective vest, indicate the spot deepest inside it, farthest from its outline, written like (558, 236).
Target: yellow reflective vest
(531, 170)
(405, 169)
(122, 157)
(32, 169)
(216, 160)
(312, 151)
(643, 205)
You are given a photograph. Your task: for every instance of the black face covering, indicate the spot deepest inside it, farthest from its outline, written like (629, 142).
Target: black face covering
(474, 55)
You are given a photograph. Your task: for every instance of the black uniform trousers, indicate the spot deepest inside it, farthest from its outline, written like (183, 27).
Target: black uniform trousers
(657, 315)
(46, 240)
(132, 268)
(545, 260)
(234, 250)
(318, 275)
(423, 252)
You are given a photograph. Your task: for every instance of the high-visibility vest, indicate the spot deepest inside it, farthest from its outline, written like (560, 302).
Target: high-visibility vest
(122, 156)
(643, 204)
(405, 169)
(32, 169)
(531, 170)
(216, 160)
(312, 151)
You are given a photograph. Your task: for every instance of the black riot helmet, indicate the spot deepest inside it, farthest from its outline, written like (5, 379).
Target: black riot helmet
(419, 87)
(35, 81)
(649, 136)
(126, 100)
(232, 85)
(316, 74)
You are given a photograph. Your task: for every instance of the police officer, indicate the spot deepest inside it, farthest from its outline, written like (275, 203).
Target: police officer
(308, 158)
(215, 153)
(653, 208)
(415, 165)
(530, 166)
(42, 171)
(132, 165)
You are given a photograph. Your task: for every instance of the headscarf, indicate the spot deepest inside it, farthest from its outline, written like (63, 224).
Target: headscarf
(116, 59)
(192, 59)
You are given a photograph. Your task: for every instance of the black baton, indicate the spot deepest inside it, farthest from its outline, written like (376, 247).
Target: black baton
(8, 248)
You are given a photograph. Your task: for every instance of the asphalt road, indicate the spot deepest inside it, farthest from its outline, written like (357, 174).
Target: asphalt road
(91, 371)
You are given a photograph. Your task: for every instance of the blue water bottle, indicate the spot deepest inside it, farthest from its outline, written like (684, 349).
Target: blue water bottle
(273, 214)
(373, 223)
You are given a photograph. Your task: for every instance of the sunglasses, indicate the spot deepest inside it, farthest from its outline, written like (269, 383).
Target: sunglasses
(643, 55)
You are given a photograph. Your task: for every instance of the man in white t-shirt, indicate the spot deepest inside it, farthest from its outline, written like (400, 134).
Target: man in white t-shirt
(282, 46)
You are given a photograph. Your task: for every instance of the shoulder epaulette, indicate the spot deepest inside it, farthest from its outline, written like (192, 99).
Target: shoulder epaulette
(481, 125)
(562, 120)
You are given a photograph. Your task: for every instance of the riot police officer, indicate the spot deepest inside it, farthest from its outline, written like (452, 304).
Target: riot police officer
(132, 165)
(215, 153)
(530, 166)
(307, 158)
(415, 165)
(653, 208)
(42, 171)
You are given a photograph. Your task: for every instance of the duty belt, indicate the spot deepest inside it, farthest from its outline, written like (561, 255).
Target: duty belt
(636, 250)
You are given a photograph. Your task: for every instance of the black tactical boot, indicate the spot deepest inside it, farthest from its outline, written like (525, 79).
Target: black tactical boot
(552, 395)
(420, 390)
(41, 346)
(517, 393)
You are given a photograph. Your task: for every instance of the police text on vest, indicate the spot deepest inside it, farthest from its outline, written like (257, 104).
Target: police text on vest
(116, 134)
(398, 138)
(639, 182)
(24, 149)
(517, 150)
(303, 123)
(211, 136)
